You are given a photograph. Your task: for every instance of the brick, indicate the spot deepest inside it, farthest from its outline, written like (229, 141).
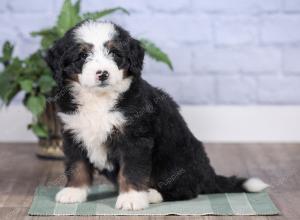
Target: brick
(279, 90)
(22, 25)
(3, 6)
(186, 89)
(236, 90)
(8, 32)
(233, 30)
(171, 28)
(291, 60)
(26, 23)
(26, 47)
(236, 60)
(181, 57)
(20, 6)
(165, 6)
(153, 67)
(134, 6)
(182, 61)
(280, 29)
(237, 6)
(291, 5)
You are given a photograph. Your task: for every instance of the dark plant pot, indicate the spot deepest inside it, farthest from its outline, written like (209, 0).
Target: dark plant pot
(51, 147)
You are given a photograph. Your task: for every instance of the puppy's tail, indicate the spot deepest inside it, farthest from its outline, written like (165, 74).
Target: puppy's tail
(235, 184)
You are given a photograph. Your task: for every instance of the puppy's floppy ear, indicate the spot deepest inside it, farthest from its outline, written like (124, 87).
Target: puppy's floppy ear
(54, 59)
(136, 57)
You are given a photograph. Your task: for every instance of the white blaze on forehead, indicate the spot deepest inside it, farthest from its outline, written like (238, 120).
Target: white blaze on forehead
(96, 33)
(99, 59)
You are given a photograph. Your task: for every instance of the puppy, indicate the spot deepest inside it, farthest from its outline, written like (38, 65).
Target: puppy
(117, 123)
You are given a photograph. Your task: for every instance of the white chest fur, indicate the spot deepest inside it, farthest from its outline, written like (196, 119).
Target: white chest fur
(93, 122)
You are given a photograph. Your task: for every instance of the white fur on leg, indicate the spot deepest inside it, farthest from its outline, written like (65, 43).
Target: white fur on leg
(254, 185)
(154, 196)
(132, 200)
(72, 195)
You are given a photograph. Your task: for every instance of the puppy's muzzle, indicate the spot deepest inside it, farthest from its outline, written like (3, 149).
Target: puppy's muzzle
(102, 75)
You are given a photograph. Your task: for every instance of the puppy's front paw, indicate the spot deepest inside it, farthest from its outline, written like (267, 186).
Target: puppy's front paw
(71, 195)
(132, 200)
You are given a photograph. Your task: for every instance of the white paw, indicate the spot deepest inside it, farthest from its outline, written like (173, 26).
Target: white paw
(71, 195)
(154, 196)
(132, 200)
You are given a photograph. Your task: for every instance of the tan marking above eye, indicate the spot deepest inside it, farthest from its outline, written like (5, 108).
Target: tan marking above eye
(109, 44)
(74, 77)
(85, 47)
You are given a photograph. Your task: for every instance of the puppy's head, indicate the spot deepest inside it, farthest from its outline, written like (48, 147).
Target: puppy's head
(95, 54)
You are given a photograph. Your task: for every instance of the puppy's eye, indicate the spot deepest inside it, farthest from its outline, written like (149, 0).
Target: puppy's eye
(83, 55)
(115, 53)
(111, 51)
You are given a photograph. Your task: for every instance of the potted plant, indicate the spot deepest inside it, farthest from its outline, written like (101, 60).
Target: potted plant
(32, 76)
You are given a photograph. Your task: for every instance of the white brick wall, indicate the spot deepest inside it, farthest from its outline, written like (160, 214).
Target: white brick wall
(281, 29)
(238, 6)
(224, 52)
(291, 61)
(229, 86)
(283, 90)
(291, 6)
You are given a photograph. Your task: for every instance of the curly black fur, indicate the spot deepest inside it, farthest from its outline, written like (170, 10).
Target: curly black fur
(155, 148)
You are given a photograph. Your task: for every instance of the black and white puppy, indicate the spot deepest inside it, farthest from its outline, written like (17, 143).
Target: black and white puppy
(118, 124)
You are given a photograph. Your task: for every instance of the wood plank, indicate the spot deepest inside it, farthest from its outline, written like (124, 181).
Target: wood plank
(277, 164)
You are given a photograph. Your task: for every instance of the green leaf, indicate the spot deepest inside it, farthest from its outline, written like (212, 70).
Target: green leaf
(7, 51)
(100, 14)
(47, 42)
(48, 35)
(77, 6)
(5, 80)
(68, 17)
(15, 67)
(154, 52)
(8, 87)
(36, 104)
(44, 32)
(46, 83)
(26, 85)
(39, 130)
(8, 48)
(10, 94)
(35, 66)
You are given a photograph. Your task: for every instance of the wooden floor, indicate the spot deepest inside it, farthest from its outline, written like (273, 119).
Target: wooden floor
(277, 164)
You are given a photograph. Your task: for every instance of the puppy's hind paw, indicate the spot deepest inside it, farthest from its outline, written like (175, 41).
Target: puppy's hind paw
(154, 196)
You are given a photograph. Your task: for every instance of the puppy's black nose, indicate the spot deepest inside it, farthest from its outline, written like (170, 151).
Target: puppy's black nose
(102, 75)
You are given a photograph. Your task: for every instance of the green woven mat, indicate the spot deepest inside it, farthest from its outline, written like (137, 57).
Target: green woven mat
(101, 201)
